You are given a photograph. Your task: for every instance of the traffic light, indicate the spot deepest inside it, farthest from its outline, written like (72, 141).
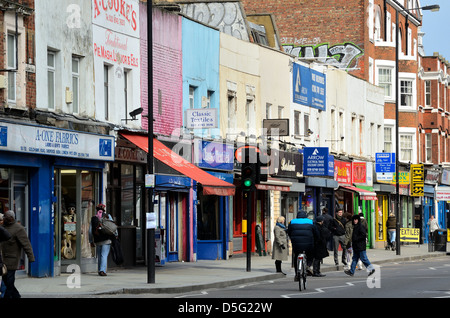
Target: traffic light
(248, 169)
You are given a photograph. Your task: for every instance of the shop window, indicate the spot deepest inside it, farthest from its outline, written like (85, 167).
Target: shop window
(208, 220)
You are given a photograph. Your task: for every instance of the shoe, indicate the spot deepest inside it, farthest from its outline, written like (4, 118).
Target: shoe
(295, 278)
(102, 273)
(371, 272)
(319, 275)
(281, 272)
(348, 273)
(308, 272)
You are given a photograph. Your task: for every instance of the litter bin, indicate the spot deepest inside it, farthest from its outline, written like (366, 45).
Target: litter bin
(440, 240)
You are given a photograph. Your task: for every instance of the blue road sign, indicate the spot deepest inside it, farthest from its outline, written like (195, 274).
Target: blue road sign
(384, 162)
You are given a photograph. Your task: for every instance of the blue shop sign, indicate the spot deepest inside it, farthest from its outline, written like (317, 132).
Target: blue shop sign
(309, 87)
(214, 155)
(171, 182)
(316, 161)
(228, 177)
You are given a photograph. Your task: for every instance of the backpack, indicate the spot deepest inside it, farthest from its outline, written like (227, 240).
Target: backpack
(107, 226)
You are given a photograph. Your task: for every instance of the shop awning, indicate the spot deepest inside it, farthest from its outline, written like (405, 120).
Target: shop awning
(363, 194)
(211, 185)
(274, 184)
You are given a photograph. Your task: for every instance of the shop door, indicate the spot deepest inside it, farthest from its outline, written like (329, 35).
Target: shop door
(172, 228)
(14, 196)
(77, 193)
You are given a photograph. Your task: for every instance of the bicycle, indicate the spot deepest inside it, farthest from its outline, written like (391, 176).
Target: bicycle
(301, 271)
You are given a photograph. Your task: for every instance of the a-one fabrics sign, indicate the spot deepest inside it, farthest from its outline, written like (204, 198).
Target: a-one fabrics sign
(309, 87)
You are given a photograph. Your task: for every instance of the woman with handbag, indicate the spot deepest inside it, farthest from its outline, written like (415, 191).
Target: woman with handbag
(101, 240)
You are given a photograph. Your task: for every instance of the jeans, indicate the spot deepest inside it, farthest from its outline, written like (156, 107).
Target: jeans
(102, 255)
(391, 236)
(360, 255)
(9, 280)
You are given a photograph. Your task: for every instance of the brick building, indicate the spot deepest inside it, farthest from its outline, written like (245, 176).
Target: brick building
(358, 36)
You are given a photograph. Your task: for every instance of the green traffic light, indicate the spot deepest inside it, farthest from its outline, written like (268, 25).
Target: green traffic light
(247, 182)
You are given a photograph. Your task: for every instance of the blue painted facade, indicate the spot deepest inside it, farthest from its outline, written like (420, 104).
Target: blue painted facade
(200, 47)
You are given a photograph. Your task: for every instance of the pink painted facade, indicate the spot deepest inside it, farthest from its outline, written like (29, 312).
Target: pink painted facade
(167, 71)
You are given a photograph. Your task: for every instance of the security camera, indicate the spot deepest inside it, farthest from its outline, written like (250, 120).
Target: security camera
(136, 112)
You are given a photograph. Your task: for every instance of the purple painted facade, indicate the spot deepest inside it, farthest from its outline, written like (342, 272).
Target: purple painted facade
(167, 71)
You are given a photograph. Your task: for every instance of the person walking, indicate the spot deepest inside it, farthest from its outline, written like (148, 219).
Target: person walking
(359, 247)
(348, 237)
(100, 240)
(433, 226)
(4, 236)
(12, 252)
(337, 227)
(303, 234)
(391, 225)
(320, 245)
(280, 244)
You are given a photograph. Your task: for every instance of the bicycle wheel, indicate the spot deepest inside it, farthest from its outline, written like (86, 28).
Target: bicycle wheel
(301, 272)
(304, 277)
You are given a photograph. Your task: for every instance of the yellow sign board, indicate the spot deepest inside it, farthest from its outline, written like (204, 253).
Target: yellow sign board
(409, 235)
(404, 178)
(417, 180)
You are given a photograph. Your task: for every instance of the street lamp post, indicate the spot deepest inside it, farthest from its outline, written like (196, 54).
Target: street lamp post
(432, 8)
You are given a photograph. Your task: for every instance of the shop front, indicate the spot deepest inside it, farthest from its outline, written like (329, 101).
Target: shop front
(185, 196)
(53, 178)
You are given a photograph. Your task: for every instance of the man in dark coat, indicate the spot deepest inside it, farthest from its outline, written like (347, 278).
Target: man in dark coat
(12, 251)
(303, 233)
(359, 236)
(337, 227)
(320, 248)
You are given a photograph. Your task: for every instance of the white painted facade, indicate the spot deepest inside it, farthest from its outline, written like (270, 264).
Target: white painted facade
(86, 34)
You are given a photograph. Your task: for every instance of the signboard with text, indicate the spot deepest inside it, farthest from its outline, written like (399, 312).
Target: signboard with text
(315, 161)
(41, 140)
(417, 180)
(309, 87)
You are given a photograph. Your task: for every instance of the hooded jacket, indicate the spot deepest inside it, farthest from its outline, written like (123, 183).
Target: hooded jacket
(12, 248)
(302, 233)
(359, 235)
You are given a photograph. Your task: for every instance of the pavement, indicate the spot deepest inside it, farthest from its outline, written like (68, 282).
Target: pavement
(183, 277)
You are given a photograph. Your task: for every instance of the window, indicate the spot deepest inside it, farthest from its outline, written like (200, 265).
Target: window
(231, 111)
(209, 99)
(428, 147)
(306, 125)
(191, 96)
(51, 68)
(428, 93)
(297, 122)
(406, 93)
(406, 147)
(385, 80)
(268, 111)
(280, 112)
(250, 114)
(125, 91)
(75, 84)
(11, 60)
(106, 90)
(387, 139)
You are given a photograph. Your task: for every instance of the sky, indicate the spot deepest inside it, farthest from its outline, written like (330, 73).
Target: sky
(435, 25)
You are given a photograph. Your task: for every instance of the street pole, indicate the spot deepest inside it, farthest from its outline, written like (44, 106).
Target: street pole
(397, 142)
(249, 231)
(150, 231)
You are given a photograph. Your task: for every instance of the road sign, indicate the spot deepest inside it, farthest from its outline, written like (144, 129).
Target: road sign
(384, 162)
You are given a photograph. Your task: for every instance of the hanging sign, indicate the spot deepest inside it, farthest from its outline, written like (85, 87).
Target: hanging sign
(417, 180)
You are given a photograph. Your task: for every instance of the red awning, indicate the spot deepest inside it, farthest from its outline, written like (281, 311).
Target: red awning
(364, 194)
(211, 185)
